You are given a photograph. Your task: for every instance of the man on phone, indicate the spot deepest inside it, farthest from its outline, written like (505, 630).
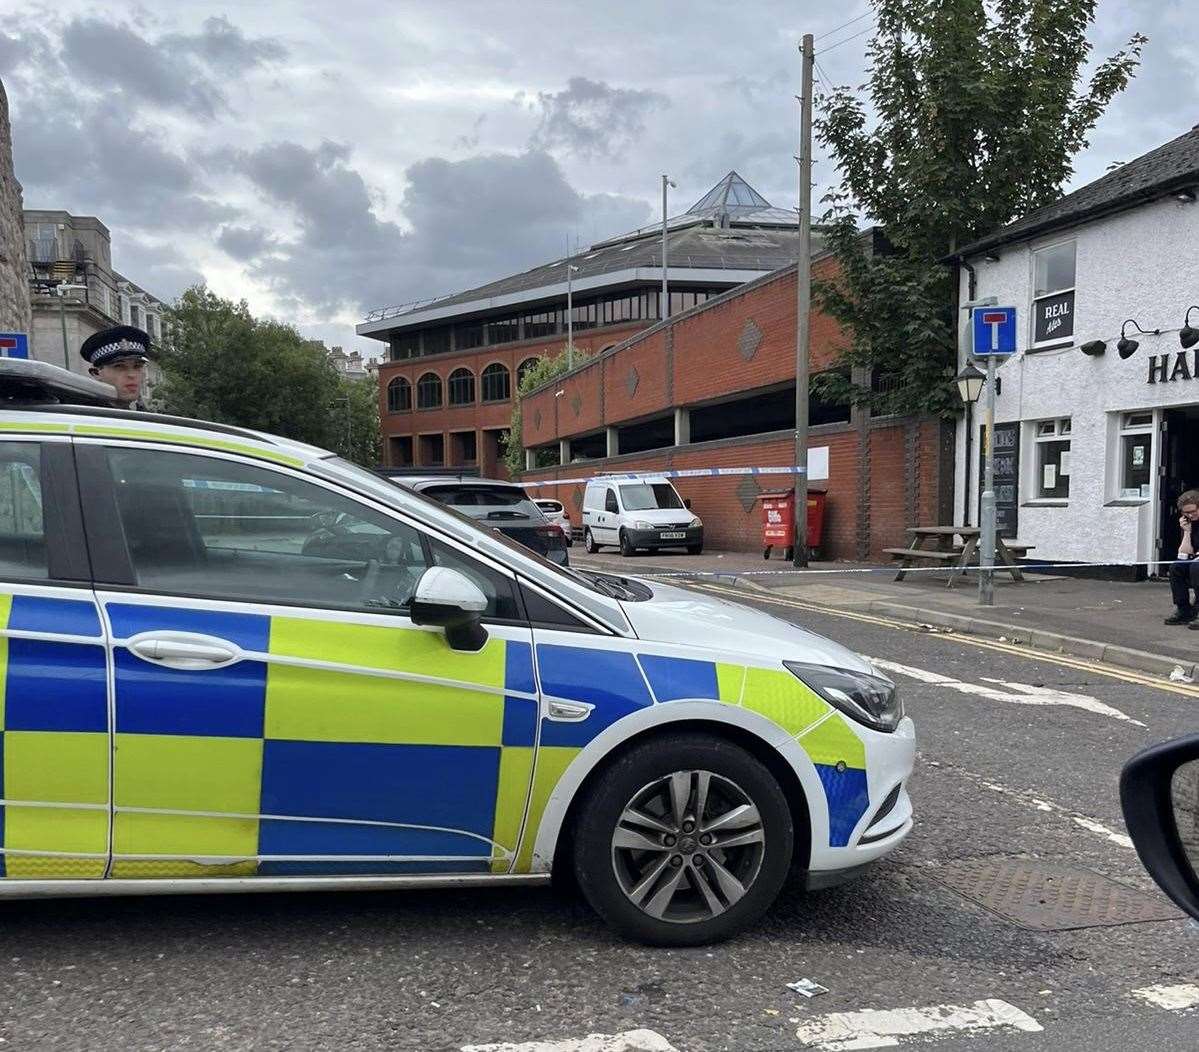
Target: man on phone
(1184, 573)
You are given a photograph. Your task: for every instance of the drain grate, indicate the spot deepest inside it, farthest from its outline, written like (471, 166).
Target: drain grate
(1048, 896)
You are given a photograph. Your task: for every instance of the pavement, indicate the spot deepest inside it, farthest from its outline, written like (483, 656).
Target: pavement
(1117, 622)
(1019, 753)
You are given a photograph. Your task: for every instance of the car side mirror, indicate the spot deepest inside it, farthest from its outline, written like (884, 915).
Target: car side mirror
(687, 503)
(449, 599)
(1159, 793)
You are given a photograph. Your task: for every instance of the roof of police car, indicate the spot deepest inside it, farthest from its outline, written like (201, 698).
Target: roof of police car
(98, 421)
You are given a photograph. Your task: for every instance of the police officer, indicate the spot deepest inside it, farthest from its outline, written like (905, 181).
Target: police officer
(118, 356)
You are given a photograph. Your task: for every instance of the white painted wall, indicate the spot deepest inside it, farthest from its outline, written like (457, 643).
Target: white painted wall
(1142, 264)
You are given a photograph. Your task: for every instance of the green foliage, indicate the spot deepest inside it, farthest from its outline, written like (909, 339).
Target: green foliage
(220, 363)
(545, 370)
(978, 111)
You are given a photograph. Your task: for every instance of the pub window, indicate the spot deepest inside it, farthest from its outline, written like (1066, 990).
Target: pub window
(1052, 439)
(462, 387)
(399, 395)
(1136, 448)
(428, 391)
(1053, 294)
(496, 383)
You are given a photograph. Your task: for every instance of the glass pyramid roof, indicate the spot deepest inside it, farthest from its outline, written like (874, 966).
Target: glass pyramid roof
(732, 196)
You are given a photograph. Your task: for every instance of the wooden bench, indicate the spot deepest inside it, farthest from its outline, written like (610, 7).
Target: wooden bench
(948, 550)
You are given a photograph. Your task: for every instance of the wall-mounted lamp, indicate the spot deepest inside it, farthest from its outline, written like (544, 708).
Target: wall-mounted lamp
(1188, 336)
(1186, 197)
(991, 257)
(1094, 348)
(1125, 347)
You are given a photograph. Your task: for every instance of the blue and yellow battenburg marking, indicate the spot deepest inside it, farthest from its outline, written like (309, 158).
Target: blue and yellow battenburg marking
(283, 767)
(54, 749)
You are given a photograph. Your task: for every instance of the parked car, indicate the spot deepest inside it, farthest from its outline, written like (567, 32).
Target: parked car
(1159, 793)
(556, 512)
(201, 697)
(638, 512)
(504, 506)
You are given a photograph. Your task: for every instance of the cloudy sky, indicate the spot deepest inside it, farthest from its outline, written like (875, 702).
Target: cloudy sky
(321, 159)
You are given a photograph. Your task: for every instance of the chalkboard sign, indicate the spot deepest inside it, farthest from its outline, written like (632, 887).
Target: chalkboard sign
(1007, 477)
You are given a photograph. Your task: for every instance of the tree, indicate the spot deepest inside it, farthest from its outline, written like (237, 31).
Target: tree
(220, 363)
(978, 111)
(541, 373)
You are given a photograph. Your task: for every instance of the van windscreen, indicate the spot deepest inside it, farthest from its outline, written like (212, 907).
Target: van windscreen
(645, 496)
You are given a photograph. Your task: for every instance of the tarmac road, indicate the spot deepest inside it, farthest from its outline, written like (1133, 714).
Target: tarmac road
(999, 779)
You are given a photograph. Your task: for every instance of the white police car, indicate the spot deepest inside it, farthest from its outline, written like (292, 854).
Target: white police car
(202, 693)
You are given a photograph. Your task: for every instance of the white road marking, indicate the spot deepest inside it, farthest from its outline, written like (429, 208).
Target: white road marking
(1027, 796)
(1012, 693)
(1173, 998)
(627, 1041)
(876, 1028)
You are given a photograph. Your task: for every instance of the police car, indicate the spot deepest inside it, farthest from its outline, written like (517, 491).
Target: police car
(199, 697)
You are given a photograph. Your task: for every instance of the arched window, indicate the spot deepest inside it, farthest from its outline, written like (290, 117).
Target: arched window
(428, 391)
(523, 368)
(462, 387)
(399, 395)
(497, 384)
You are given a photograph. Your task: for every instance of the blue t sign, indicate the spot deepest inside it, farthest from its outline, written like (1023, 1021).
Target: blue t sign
(994, 331)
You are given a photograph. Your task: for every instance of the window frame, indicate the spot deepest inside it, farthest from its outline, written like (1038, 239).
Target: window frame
(1034, 298)
(420, 380)
(494, 369)
(102, 533)
(1126, 428)
(399, 383)
(1051, 431)
(459, 374)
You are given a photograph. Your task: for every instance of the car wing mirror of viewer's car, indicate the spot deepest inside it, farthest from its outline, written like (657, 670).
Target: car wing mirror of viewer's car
(449, 599)
(1159, 793)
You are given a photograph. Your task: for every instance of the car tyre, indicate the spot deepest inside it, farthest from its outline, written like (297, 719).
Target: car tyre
(626, 546)
(589, 544)
(611, 874)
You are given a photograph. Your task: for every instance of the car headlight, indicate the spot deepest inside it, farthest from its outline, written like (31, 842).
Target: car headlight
(641, 524)
(868, 699)
(696, 521)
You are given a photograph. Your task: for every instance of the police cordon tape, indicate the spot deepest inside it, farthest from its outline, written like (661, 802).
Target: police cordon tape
(973, 568)
(672, 473)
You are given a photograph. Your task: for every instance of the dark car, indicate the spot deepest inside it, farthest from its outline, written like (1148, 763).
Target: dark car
(502, 505)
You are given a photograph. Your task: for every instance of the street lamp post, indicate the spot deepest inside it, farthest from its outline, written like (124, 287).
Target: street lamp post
(970, 385)
(61, 291)
(664, 313)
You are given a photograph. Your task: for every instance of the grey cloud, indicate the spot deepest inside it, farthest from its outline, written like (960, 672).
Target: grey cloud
(106, 56)
(467, 222)
(592, 119)
(224, 47)
(244, 243)
(157, 268)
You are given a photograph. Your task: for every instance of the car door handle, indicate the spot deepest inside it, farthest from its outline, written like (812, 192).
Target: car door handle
(184, 650)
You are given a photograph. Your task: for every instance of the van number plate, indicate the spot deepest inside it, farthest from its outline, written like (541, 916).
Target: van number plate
(673, 536)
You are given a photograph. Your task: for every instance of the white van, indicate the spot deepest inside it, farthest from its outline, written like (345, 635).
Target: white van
(643, 512)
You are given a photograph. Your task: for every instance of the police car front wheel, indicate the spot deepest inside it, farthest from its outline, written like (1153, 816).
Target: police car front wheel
(685, 840)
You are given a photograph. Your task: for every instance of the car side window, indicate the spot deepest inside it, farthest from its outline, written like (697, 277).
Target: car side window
(202, 526)
(610, 501)
(22, 526)
(501, 601)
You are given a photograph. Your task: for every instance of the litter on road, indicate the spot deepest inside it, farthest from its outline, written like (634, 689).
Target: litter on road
(807, 987)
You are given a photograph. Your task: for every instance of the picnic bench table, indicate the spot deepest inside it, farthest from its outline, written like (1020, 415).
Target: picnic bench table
(946, 550)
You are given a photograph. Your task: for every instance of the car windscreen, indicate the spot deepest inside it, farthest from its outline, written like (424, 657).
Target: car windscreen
(646, 496)
(493, 503)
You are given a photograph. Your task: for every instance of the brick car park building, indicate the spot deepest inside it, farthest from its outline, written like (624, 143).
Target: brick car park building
(452, 366)
(715, 387)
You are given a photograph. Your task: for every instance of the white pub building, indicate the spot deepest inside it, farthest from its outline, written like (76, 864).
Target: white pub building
(1097, 414)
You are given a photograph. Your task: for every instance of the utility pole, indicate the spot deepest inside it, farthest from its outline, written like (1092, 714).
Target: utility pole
(986, 540)
(664, 312)
(803, 306)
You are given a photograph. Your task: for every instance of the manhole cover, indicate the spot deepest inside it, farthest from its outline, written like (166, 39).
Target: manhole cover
(1047, 896)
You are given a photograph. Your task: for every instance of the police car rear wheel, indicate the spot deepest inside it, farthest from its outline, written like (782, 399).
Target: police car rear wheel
(684, 841)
